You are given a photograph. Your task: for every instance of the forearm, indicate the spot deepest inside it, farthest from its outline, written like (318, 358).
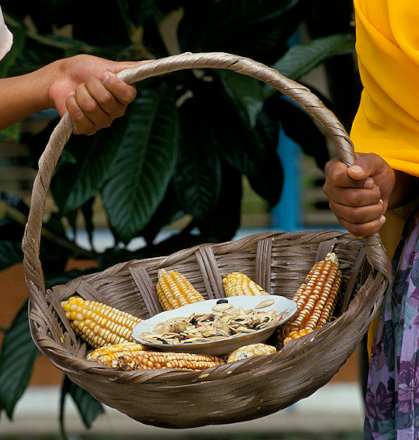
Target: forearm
(24, 95)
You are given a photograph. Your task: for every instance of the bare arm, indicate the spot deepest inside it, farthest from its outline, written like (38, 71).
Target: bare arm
(83, 85)
(21, 97)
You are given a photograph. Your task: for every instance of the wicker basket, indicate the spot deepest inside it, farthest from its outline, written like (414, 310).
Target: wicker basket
(279, 262)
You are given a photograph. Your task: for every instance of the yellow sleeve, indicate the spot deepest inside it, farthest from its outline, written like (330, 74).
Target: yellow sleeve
(387, 122)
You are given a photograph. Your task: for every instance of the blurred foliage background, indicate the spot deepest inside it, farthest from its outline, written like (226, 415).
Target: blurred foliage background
(186, 145)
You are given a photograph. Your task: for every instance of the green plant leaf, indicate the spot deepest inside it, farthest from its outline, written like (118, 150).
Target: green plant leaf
(302, 58)
(267, 179)
(198, 172)
(17, 357)
(215, 23)
(224, 222)
(299, 127)
(87, 212)
(89, 408)
(264, 36)
(265, 41)
(246, 148)
(167, 212)
(246, 92)
(145, 163)
(12, 132)
(76, 182)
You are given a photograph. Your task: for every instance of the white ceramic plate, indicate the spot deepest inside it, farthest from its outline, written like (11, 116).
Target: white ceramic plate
(284, 307)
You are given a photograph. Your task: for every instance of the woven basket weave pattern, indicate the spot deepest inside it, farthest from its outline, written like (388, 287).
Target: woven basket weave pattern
(279, 262)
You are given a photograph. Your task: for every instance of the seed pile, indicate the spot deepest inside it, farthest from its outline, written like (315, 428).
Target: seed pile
(225, 321)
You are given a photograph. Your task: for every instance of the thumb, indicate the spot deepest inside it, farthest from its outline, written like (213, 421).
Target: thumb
(117, 66)
(365, 166)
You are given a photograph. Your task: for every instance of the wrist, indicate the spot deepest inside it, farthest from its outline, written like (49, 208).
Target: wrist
(404, 191)
(48, 75)
(36, 87)
(22, 96)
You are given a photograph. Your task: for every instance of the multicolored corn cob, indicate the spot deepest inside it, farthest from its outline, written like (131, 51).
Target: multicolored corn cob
(107, 354)
(146, 360)
(296, 335)
(316, 298)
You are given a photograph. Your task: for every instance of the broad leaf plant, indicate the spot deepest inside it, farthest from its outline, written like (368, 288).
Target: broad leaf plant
(185, 145)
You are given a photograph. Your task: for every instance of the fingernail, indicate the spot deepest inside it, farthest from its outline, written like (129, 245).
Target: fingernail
(382, 220)
(105, 77)
(369, 183)
(356, 169)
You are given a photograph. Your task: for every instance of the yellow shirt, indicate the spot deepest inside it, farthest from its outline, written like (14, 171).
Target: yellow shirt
(387, 122)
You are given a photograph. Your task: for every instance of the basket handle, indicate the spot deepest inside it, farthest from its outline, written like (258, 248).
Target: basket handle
(299, 94)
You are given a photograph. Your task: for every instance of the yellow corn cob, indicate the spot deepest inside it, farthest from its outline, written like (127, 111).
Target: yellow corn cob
(174, 290)
(236, 283)
(250, 350)
(97, 323)
(316, 297)
(146, 360)
(109, 353)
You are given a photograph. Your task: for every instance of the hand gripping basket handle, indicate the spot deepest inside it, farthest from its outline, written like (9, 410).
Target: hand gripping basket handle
(299, 94)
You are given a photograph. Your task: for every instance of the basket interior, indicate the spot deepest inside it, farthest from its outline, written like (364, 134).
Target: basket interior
(278, 262)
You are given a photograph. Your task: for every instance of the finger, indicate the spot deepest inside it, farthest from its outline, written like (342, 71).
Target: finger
(363, 229)
(359, 215)
(122, 92)
(81, 123)
(111, 95)
(337, 175)
(352, 197)
(100, 98)
(365, 165)
(90, 98)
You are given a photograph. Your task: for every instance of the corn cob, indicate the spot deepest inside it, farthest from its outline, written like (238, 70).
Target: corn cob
(97, 323)
(316, 298)
(250, 350)
(236, 283)
(109, 353)
(149, 360)
(174, 290)
(296, 335)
